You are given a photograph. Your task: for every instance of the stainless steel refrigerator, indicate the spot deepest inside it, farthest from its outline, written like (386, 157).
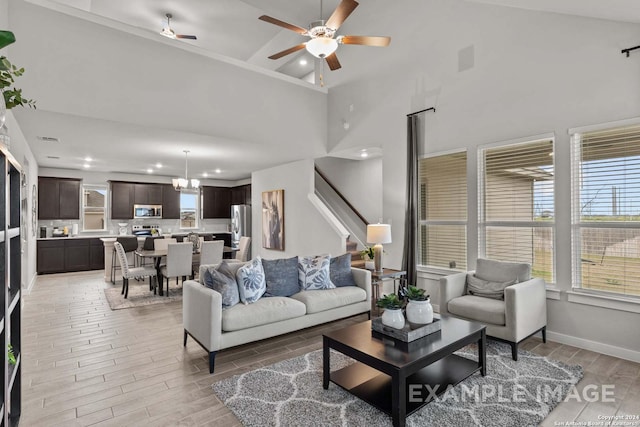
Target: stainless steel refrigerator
(240, 222)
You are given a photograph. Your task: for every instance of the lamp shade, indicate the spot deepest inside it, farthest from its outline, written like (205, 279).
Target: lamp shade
(321, 47)
(378, 233)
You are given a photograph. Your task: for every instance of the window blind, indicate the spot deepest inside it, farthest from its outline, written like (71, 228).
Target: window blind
(606, 209)
(443, 210)
(517, 205)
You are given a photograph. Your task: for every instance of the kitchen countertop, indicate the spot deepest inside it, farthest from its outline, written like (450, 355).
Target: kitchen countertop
(99, 236)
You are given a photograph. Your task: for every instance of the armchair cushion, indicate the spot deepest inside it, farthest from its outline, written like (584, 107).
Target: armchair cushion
(486, 288)
(502, 271)
(481, 309)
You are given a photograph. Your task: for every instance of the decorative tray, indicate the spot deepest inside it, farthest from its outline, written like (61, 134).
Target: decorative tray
(408, 333)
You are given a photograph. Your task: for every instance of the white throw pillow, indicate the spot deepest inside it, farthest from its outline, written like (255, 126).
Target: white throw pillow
(251, 283)
(314, 273)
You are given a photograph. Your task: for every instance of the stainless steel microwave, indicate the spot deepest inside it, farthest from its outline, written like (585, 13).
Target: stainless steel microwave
(147, 211)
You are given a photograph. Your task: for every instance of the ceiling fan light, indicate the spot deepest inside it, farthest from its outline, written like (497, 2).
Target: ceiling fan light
(321, 47)
(168, 32)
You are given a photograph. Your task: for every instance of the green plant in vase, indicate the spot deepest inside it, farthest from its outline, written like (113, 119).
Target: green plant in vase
(389, 302)
(413, 293)
(392, 315)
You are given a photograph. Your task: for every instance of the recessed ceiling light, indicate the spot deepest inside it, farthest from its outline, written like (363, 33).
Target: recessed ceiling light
(303, 61)
(88, 159)
(204, 174)
(149, 170)
(86, 166)
(158, 165)
(218, 171)
(364, 153)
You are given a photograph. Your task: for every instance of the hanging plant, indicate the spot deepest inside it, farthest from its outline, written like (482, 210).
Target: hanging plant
(6, 38)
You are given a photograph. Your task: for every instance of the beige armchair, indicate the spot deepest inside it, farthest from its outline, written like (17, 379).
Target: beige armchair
(520, 314)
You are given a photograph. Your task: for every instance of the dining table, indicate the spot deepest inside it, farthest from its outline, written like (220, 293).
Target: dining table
(157, 254)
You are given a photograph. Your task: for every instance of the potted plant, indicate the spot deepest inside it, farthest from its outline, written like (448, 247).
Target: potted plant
(392, 315)
(367, 255)
(419, 309)
(11, 95)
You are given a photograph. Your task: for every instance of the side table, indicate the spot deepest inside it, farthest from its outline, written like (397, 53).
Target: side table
(387, 274)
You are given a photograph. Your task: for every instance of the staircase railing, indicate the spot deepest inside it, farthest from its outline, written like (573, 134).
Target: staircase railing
(342, 197)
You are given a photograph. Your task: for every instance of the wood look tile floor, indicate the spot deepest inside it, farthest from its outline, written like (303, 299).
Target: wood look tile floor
(84, 364)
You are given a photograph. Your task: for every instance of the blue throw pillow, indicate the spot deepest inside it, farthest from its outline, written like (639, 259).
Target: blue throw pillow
(251, 282)
(222, 280)
(340, 271)
(281, 276)
(313, 273)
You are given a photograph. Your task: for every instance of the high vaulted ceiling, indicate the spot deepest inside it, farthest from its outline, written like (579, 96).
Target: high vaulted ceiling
(109, 86)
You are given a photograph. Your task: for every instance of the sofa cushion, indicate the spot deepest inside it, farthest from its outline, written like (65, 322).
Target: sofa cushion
(313, 272)
(322, 300)
(502, 271)
(251, 284)
(486, 288)
(281, 276)
(484, 310)
(233, 267)
(261, 312)
(223, 281)
(340, 271)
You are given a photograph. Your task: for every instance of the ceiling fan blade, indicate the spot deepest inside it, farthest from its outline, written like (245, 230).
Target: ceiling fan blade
(379, 41)
(283, 24)
(332, 61)
(183, 36)
(341, 13)
(287, 51)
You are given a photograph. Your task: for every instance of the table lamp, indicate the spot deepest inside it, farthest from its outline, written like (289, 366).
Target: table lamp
(378, 234)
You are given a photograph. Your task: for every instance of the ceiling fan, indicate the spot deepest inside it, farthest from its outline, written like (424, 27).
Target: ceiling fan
(168, 31)
(323, 44)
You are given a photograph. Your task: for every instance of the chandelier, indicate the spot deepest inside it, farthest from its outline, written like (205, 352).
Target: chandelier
(185, 183)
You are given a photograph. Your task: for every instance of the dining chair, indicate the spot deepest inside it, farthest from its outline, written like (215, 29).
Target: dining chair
(243, 249)
(210, 253)
(132, 273)
(129, 244)
(179, 262)
(162, 244)
(148, 245)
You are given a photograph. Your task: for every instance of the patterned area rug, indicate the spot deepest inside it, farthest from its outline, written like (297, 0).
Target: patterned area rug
(140, 295)
(287, 393)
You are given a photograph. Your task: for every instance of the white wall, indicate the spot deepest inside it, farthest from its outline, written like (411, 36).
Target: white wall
(534, 73)
(305, 230)
(360, 181)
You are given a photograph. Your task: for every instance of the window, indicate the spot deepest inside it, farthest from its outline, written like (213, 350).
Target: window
(94, 199)
(516, 197)
(443, 210)
(188, 209)
(606, 209)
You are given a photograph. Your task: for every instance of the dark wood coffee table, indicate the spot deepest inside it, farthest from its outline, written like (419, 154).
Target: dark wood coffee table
(399, 378)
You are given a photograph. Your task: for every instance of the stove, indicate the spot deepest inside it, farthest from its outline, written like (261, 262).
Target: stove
(146, 230)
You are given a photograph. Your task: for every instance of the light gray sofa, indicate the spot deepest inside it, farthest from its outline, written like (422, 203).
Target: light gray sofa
(521, 314)
(215, 329)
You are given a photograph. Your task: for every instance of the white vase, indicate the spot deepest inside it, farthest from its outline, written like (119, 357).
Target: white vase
(369, 265)
(419, 312)
(393, 318)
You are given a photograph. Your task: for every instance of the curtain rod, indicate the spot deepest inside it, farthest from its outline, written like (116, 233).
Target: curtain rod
(628, 51)
(422, 111)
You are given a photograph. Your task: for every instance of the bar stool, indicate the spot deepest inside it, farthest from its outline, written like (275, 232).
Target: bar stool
(129, 244)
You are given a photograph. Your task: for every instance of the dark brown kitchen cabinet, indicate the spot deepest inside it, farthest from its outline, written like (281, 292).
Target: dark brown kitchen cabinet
(76, 254)
(50, 255)
(147, 194)
(58, 198)
(216, 202)
(66, 255)
(241, 195)
(122, 194)
(170, 202)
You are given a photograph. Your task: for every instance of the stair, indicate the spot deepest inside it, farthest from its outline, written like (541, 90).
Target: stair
(356, 256)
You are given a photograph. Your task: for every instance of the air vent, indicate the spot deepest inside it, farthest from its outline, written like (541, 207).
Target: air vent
(53, 157)
(48, 139)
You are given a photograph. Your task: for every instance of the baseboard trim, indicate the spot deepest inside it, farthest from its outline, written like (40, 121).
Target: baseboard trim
(620, 352)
